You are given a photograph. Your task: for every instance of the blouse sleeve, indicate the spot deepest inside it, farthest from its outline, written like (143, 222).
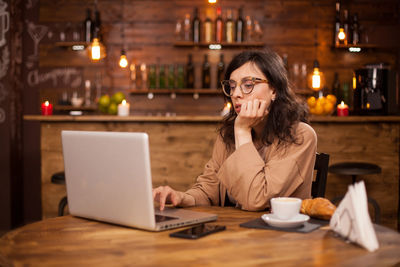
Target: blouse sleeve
(206, 189)
(253, 182)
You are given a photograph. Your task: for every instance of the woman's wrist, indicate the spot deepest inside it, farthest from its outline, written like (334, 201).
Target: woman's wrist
(242, 136)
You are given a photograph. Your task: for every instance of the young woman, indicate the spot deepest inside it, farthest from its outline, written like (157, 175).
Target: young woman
(264, 148)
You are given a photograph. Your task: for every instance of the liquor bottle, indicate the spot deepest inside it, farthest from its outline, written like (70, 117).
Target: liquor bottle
(229, 27)
(336, 87)
(87, 26)
(161, 77)
(152, 77)
(208, 29)
(190, 73)
(337, 25)
(206, 73)
(196, 26)
(249, 29)
(97, 26)
(220, 70)
(171, 77)
(218, 26)
(186, 28)
(240, 27)
(346, 26)
(180, 80)
(355, 31)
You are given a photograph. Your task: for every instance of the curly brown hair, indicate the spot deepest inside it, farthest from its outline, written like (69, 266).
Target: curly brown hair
(285, 112)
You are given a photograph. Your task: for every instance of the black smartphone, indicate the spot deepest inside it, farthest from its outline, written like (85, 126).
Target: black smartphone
(198, 231)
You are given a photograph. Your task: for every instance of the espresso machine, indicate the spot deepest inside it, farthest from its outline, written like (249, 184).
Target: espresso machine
(376, 92)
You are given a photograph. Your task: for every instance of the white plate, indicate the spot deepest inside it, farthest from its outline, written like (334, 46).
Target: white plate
(297, 220)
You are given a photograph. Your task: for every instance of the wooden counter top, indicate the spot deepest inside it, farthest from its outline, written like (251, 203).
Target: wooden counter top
(195, 118)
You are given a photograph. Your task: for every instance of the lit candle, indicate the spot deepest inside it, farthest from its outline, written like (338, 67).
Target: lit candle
(342, 109)
(123, 108)
(227, 109)
(47, 108)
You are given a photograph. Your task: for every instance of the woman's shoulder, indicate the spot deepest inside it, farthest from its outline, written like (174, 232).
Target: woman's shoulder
(306, 130)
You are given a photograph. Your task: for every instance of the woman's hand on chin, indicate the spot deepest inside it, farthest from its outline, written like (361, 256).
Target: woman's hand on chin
(251, 114)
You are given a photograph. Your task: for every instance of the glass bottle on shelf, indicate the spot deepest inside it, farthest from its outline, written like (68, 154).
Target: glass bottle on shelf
(97, 25)
(229, 27)
(346, 26)
(206, 77)
(257, 31)
(152, 77)
(180, 80)
(336, 86)
(87, 26)
(249, 29)
(240, 27)
(220, 70)
(186, 28)
(171, 76)
(178, 30)
(355, 31)
(218, 26)
(143, 72)
(337, 25)
(161, 77)
(208, 29)
(196, 26)
(190, 73)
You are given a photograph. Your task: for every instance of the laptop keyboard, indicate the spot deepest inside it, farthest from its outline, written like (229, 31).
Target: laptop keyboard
(162, 218)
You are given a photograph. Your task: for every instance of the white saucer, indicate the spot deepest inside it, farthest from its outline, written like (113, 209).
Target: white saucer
(297, 220)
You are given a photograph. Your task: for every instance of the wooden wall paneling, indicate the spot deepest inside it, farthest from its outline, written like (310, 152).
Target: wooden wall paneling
(352, 142)
(178, 152)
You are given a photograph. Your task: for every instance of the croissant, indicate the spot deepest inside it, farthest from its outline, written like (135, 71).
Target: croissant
(320, 208)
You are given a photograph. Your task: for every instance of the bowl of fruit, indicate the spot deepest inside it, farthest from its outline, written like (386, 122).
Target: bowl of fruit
(323, 105)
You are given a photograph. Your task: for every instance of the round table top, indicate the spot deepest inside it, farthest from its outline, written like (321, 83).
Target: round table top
(69, 241)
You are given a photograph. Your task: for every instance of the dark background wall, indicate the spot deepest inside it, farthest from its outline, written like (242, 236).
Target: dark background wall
(39, 64)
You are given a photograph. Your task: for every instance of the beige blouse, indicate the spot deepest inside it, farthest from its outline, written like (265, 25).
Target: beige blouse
(251, 179)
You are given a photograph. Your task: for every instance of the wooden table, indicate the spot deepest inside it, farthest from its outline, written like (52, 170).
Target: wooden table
(71, 241)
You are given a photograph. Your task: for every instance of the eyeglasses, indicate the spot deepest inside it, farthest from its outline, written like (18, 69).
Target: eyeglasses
(246, 85)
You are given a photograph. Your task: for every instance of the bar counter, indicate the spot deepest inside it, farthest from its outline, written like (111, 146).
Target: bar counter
(181, 145)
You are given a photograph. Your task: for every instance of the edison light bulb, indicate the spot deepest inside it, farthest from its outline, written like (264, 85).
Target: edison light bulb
(123, 61)
(95, 49)
(341, 34)
(316, 79)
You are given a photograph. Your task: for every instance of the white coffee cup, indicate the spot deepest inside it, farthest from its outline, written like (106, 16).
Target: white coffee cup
(285, 208)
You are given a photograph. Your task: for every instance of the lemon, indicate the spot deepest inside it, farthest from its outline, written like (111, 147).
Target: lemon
(117, 97)
(104, 102)
(113, 109)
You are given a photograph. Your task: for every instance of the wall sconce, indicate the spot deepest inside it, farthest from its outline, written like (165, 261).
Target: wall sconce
(123, 61)
(316, 79)
(212, 1)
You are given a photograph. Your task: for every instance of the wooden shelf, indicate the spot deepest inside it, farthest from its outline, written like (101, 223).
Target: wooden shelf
(70, 108)
(70, 44)
(177, 91)
(362, 46)
(223, 44)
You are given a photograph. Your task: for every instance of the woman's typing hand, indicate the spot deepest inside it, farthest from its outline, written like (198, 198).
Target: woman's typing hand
(166, 195)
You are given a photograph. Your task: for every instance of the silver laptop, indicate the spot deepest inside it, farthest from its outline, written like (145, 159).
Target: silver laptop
(108, 178)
